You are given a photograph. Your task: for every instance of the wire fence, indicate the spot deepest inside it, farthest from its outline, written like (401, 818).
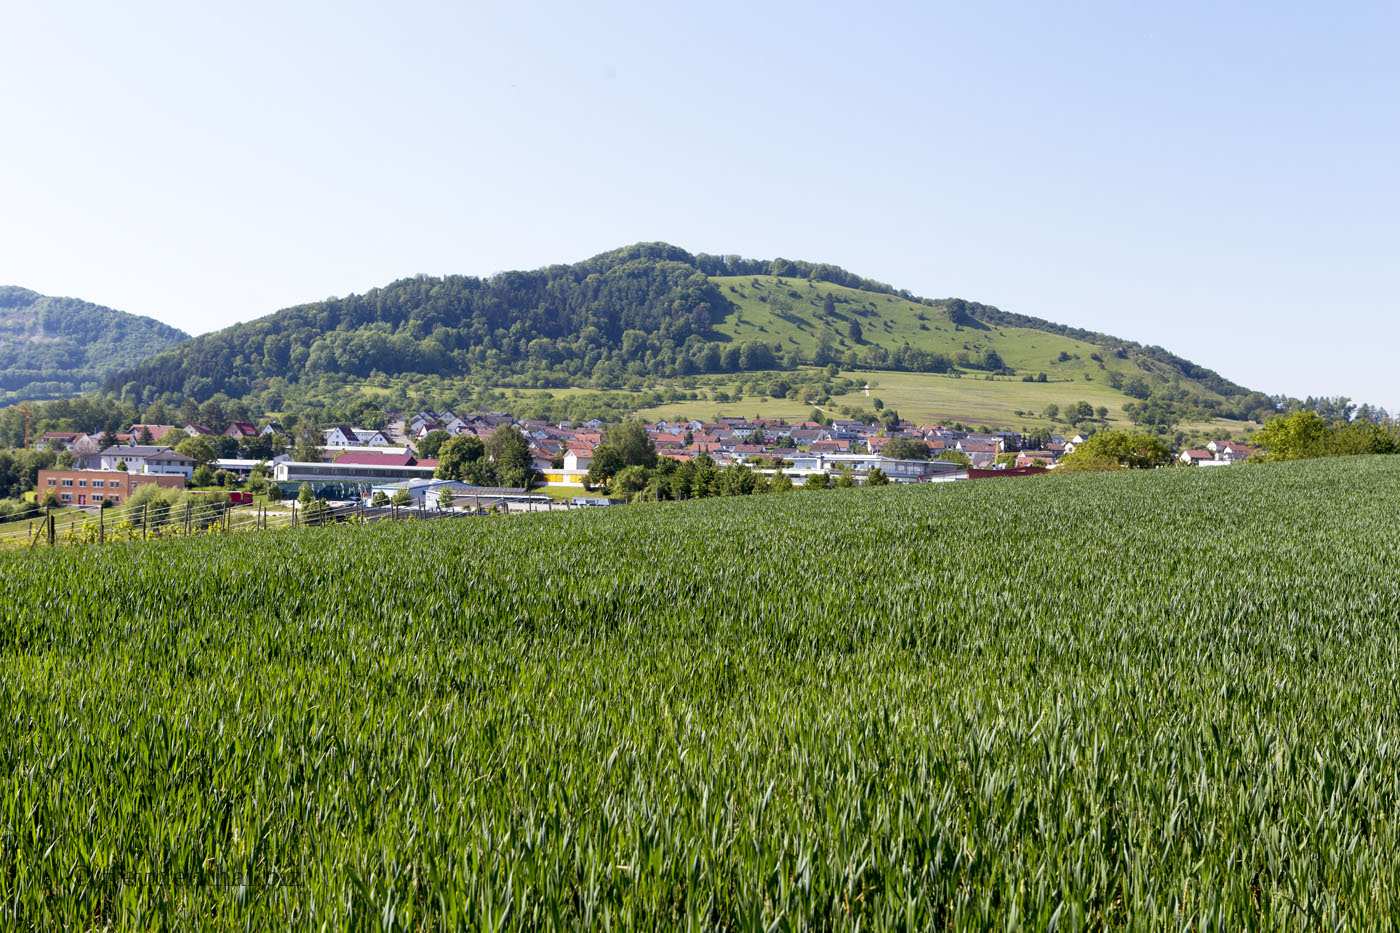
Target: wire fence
(44, 526)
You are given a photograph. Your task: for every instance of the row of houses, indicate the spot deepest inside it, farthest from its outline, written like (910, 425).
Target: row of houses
(561, 454)
(81, 442)
(1218, 453)
(148, 434)
(726, 439)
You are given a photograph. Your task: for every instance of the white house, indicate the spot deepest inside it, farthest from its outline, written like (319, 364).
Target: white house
(342, 435)
(1229, 451)
(577, 460)
(139, 459)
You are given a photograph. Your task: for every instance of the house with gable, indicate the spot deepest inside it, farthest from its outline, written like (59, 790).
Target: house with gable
(147, 459)
(1230, 452)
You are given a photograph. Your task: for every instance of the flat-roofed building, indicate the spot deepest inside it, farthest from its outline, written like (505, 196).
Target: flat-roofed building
(97, 487)
(344, 480)
(860, 465)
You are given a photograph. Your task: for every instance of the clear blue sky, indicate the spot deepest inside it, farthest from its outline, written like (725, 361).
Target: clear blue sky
(1217, 178)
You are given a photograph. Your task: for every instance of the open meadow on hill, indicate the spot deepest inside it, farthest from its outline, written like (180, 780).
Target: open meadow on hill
(1158, 699)
(796, 313)
(939, 398)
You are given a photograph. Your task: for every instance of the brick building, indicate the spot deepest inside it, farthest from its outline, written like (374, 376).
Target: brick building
(93, 487)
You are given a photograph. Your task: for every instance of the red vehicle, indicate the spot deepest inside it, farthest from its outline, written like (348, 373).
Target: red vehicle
(234, 498)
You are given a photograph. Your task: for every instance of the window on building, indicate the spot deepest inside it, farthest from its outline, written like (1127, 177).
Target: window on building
(82, 482)
(116, 499)
(97, 497)
(98, 484)
(68, 482)
(52, 481)
(67, 497)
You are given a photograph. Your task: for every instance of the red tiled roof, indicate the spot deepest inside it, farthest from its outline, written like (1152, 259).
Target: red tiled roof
(368, 458)
(157, 430)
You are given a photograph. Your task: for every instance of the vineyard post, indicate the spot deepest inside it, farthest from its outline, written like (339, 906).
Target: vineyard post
(145, 528)
(101, 526)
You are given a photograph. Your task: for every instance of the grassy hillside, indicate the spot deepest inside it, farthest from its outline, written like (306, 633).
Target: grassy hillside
(933, 398)
(1156, 700)
(792, 313)
(54, 347)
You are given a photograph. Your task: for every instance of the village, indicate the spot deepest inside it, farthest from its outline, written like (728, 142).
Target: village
(394, 462)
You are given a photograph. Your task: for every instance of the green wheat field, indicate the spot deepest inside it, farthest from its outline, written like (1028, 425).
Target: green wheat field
(1131, 701)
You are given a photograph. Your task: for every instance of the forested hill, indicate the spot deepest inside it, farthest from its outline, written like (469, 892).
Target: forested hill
(55, 347)
(644, 312)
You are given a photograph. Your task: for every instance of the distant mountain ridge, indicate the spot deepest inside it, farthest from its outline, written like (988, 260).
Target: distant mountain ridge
(646, 312)
(55, 347)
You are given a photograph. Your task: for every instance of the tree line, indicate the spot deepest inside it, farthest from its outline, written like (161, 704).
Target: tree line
(626, 465)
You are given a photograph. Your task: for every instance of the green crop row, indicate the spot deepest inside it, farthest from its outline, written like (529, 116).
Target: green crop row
(1138, 700)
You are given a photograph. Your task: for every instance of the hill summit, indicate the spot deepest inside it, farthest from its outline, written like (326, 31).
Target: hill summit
(645, 313)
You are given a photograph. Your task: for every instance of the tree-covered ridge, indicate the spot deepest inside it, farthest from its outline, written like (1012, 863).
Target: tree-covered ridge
(626, 318)
(51, 347)
(559, 322)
